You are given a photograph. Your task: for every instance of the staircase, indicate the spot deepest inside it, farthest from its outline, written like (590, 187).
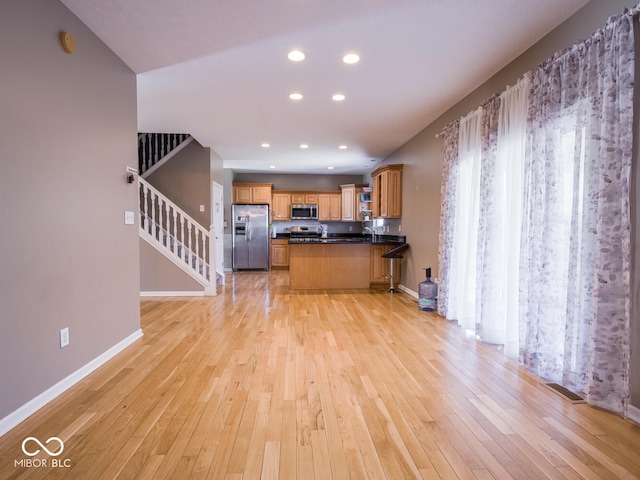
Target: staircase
(164, 225)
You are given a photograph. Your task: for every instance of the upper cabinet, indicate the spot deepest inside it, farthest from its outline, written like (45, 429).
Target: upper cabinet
(281, 206)
(304, 198)
(349, 210)
(356, 203)
(386, 198)
(330, 207)
(253, 193)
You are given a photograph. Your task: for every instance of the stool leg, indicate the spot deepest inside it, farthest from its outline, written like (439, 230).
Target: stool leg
(391, 275)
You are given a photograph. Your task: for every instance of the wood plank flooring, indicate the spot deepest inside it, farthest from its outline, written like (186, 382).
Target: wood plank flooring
(262, 382)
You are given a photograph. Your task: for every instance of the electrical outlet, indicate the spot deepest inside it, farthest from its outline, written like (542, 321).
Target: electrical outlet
(64, 337)
(350, 228)
(399, 228)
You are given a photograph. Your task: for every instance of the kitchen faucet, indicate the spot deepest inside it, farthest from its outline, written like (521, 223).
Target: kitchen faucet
(372, 231)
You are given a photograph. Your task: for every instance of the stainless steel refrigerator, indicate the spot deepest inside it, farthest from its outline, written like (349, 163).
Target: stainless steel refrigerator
(250, 237)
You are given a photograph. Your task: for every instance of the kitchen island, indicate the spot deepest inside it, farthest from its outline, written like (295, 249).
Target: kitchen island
(338, 263)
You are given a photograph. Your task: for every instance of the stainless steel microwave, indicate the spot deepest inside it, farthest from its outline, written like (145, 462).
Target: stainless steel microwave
(304, 212)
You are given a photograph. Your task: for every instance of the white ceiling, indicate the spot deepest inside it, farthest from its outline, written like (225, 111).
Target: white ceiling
(219, 69)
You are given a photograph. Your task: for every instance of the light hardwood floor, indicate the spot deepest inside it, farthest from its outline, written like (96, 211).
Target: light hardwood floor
(265, 382)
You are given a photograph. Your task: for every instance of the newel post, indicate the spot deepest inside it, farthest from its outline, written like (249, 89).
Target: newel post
(211, 289)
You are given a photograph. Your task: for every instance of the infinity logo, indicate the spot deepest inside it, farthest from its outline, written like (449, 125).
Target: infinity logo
(34, 439)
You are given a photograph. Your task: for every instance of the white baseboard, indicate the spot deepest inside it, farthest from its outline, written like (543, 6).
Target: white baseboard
(173, 294)
(633, 413)
(408, 290)
(35, 404)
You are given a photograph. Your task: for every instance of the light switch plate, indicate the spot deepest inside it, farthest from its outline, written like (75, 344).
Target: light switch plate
(64, 337)
(202, 208)
(129, 218)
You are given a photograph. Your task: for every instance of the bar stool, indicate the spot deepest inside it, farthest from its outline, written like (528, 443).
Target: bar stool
(393, 255)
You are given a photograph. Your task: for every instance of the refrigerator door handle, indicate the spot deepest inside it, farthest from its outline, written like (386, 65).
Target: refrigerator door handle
(247, 236)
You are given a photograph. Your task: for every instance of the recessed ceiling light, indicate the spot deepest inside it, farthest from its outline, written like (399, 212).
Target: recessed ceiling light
(272, 166)
(295, 96)
(265, 145)
(338, 97)
(296, 56)
(342, 147)
(351, 58)
(329, 168)
(304, 145)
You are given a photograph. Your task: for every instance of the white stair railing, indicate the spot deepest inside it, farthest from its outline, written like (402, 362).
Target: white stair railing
(156, 148)
(177, 236)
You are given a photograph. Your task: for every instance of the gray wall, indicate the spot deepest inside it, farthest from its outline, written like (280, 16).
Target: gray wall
(185, 180)
(158, 274)
(422, 155)
(67, 133)
(283, 181)
(280, 181)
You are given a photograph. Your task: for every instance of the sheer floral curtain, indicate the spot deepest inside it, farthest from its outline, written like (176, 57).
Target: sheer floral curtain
(447, 213)
(484, 201)
(535, 227)
(575, 255)
(500, 218)
(464, 244)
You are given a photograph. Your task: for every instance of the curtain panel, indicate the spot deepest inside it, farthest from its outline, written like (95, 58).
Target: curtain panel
(447, 212)
(500, 219)
(535, 249)
(575, 254)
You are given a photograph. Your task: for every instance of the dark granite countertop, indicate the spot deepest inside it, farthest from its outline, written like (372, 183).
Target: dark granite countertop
(356, 239)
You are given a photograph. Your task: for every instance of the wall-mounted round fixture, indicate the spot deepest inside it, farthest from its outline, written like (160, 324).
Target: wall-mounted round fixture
(68, 42)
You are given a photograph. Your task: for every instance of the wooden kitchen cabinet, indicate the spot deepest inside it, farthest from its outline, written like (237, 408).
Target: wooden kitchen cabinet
(381, 267)
(349, 210)
(252, 193)
(281, 206)
(330, 207)
(337, 266)
(280, 253)
(311, 198)
(386, 197)
(304, 198)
